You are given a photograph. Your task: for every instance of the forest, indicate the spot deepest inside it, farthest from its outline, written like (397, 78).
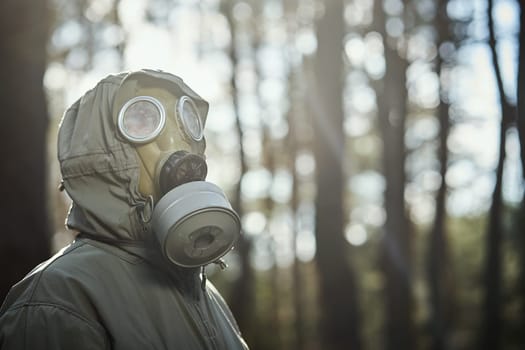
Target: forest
(374, 150)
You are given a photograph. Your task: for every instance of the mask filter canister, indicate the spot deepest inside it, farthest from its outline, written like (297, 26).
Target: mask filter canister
(195, 224)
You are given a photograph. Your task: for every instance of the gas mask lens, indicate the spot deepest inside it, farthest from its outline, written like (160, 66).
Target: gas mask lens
(141, 119)
(189, 118)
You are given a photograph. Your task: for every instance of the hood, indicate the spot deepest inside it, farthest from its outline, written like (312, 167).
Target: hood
(100, 171)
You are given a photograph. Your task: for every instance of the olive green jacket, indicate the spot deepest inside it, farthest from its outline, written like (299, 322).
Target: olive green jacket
(95, 295)
(111, 288)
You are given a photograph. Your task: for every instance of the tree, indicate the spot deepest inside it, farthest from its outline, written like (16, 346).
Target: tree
(25, 233)
(521, 133)
(521, 87)
(395, 250)
(339, 319)
(242, 298)
(297, 279)
(492, 326)
(438, 256)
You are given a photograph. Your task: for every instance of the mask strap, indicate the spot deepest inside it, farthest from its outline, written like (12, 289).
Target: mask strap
(204, 278)
(222, 264)
(146, 212)
(219, 262)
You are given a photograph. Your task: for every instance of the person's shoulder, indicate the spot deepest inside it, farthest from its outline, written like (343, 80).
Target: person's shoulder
(45, 277)
(84, 256)
(69, 280)
(69, 270)
(51, 300)
(84, 261)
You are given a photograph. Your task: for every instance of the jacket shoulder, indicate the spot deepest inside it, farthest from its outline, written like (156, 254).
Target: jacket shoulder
(49, 326)
(63, 280)
(48, 309)
(23, 291)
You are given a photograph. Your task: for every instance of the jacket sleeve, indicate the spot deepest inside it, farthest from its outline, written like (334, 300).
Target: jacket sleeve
(48, 326)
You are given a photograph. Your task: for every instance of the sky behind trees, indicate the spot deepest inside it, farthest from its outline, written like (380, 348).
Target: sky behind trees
(190, 38)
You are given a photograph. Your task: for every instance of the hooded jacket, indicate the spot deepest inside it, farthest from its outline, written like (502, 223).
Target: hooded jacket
(111, 288)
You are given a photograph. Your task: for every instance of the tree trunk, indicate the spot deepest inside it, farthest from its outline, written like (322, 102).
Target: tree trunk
(241, 301)
(25, 237)
(521, 88)
(275, 325)
(438, 260)
(438, 252)
(395, 249)
(521, 133)
(492, 327)
(339, 312)
(297, 280)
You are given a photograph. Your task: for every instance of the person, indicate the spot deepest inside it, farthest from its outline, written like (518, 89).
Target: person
(131, 154)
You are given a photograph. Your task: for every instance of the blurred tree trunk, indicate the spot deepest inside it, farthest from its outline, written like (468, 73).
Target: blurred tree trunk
(25, 239)
(338, 292)
(492, 327)
(292, 143)
(521, 88)
(275, 326)
(297, 283)
(521, 133)
(438, 257)
(297, 279)
(395, 248)
(241, 301)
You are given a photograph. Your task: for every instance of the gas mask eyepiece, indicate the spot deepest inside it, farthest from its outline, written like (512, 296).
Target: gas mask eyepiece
(141, 119)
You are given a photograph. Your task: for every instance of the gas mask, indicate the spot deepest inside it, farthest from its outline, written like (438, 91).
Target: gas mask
(163, 119)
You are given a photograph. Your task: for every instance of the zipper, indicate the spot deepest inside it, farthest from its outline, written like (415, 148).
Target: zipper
(211, 333)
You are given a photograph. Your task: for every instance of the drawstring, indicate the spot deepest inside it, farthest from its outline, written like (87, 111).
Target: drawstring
(147, 207)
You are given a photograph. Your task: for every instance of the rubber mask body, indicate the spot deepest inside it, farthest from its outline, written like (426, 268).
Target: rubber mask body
(154, 154)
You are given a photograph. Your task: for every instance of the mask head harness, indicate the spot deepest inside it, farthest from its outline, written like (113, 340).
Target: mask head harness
(192, 220)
